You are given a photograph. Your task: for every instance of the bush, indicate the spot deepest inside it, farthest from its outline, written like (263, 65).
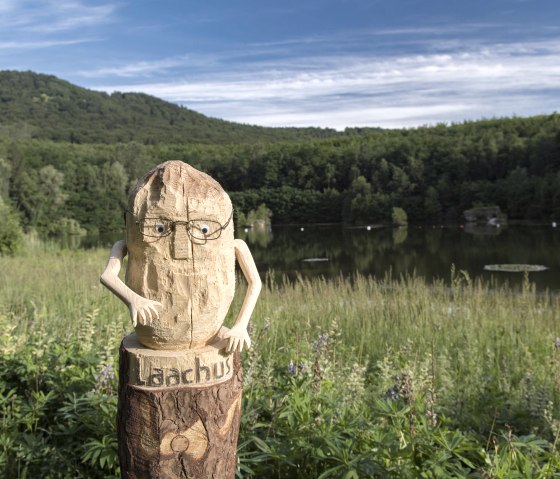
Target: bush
(58, 403)
(399, 216)
(67, 226)
(11, 234)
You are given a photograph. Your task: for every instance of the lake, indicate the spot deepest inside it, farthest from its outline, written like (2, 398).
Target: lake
(428, 252)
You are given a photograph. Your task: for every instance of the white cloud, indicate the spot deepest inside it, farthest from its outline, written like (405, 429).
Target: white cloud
(31, 45)
(51, 16)
(142, 68)
(27, 25)
(71, 15)
(396, 91)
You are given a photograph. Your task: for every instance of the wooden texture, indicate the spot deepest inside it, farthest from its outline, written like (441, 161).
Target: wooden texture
(193, 279)
(180, 385)
(180, 284)
(178, 432)
(193, 367)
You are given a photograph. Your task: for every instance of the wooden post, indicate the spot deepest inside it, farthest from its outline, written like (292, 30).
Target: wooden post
(180, 378)
(181, 419)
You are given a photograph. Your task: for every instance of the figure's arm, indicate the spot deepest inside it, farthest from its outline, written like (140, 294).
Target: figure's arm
(237, 335)
(141, 309)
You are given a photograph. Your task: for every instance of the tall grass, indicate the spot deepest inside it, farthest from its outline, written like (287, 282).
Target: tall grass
(347, 377)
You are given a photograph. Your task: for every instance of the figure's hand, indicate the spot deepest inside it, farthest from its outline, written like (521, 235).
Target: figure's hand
(238, 338)
(144, 310)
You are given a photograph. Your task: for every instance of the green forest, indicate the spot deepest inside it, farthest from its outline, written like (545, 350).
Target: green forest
(68, 157)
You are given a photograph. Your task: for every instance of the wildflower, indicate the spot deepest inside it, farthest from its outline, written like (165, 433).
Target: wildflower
(432, 417)
(107, 372)
(401, 389)
(103, 380)
(430, 407)
(292, 370)
(392, 393)
(320, 343)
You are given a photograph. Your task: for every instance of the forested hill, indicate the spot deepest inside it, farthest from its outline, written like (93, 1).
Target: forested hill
(85, 149)
(37, 106)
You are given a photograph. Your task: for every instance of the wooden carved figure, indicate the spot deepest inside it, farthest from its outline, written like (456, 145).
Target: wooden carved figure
(180, 373)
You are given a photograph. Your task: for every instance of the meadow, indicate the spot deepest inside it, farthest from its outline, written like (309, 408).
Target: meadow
(347, 378)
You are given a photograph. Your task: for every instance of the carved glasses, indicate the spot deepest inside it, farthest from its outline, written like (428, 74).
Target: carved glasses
(199, 229)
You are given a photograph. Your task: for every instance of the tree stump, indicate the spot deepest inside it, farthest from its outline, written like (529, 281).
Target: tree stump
(178, 412)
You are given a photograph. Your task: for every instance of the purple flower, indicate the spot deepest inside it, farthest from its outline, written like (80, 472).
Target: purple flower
(292, 370)
(107, 373)
(320, 343)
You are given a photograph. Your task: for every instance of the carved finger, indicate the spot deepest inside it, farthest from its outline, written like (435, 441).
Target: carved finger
(154, 311)
(142, 316)
(232, 346)
(134, 315)
(148, 314)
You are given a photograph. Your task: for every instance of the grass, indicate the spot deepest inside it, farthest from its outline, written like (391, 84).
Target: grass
(347, 378)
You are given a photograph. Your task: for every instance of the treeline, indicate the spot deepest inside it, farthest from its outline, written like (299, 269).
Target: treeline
(432, 173)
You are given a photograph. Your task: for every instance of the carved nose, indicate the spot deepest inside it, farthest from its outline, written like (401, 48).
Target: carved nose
(182, 246)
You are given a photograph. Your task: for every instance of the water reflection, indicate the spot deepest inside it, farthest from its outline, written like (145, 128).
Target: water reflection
(425, 251)
(429, 252)
(485, 229)
(261, 235)
(400, 234)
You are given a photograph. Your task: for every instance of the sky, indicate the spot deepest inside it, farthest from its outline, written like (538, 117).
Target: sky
(323, 63)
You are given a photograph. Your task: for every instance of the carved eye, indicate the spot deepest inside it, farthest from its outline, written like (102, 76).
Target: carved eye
(159, 228)
(204, 230)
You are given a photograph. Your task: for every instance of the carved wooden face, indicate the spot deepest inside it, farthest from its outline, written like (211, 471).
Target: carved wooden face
(180, 243)
(183, 233)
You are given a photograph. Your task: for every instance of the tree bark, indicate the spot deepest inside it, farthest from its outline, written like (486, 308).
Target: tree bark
(178, 431)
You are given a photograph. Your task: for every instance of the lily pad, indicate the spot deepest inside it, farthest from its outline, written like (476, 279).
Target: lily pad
(516, 268)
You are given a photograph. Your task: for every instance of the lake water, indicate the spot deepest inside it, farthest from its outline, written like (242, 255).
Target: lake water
(428, 252)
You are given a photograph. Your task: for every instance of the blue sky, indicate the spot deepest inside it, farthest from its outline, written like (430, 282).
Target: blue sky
(327, 63)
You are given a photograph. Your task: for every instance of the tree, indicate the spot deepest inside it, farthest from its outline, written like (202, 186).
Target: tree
(41, 195)
(399, 217)
(5, 174)
(432, 206)
(11, 234)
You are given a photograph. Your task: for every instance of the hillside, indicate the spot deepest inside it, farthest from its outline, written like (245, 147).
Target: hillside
(41, 106)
